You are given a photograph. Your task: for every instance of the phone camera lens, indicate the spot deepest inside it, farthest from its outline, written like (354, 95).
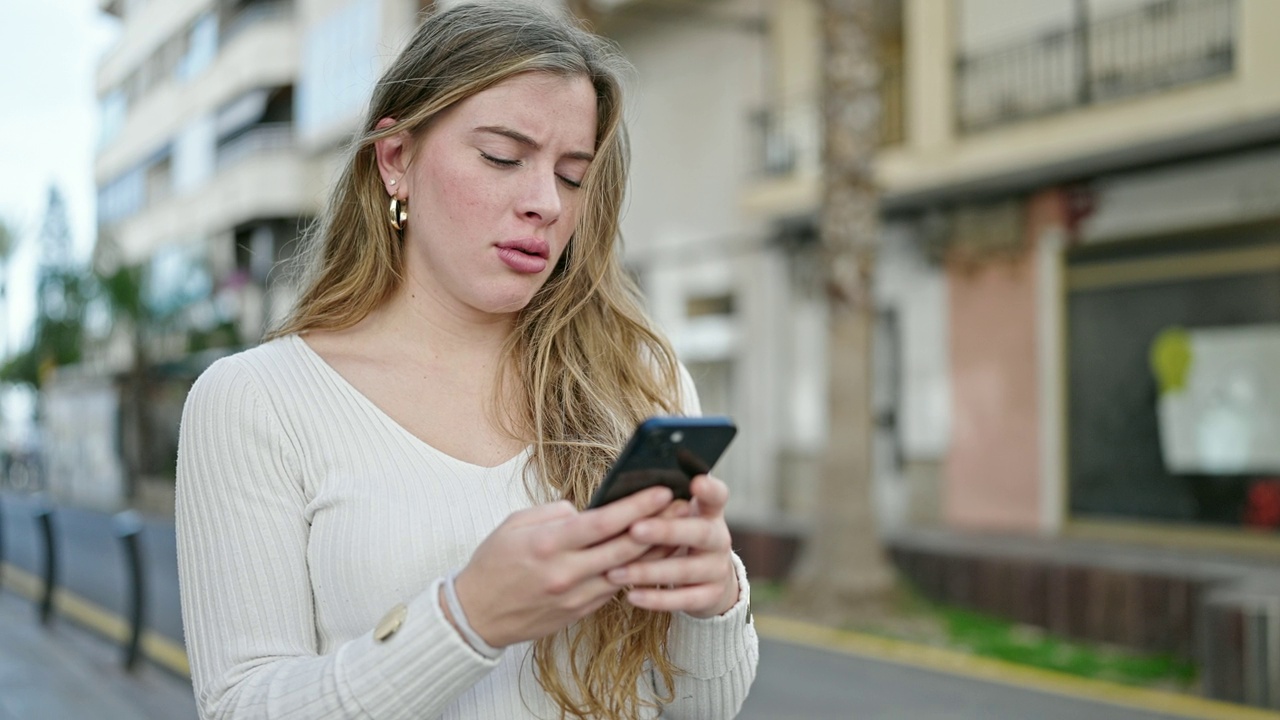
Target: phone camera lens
(677, 436)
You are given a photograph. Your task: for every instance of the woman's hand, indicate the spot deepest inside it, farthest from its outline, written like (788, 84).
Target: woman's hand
(544, 568)
(699, 577)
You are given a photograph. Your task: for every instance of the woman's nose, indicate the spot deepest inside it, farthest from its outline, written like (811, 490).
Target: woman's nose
(541, 200)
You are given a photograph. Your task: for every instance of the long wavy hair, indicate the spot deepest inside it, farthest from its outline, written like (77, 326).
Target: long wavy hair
(584, 364)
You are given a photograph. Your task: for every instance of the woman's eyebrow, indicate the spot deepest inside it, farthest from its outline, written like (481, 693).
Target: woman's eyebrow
(530, 142)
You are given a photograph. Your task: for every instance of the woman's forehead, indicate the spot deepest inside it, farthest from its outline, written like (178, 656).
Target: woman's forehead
(551, 110)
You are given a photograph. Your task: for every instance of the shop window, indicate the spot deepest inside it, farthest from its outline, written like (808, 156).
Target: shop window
(1172, 393)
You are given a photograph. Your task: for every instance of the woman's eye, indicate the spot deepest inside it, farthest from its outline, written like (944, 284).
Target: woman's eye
(500, 162)
(571, 183)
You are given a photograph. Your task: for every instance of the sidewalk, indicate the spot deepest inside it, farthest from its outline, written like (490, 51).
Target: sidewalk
(65, 672)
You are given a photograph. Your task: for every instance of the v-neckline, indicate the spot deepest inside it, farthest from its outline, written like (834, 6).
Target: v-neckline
(325, 368)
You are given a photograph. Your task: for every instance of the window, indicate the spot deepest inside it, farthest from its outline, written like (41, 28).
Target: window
(1170, 383)
(202, 47)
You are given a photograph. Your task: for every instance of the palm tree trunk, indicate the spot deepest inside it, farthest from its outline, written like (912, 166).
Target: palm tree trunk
(843, 566)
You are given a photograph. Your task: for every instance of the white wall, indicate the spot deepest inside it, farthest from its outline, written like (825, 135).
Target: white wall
(916, 292)
(689, 110)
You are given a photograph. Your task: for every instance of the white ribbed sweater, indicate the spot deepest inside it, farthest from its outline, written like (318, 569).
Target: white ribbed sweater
(305, 513)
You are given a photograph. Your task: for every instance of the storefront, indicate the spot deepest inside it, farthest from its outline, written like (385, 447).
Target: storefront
(1171, 342)
(1173, 351)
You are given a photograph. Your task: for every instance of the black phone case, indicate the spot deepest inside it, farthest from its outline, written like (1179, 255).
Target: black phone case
(666, 451)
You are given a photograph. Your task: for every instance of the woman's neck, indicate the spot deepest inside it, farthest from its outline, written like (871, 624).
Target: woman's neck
(419, 322)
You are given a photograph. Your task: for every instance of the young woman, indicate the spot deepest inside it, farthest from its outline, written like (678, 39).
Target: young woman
(381, 509)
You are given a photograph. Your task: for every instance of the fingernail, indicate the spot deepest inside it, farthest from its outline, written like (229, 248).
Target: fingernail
(642, 529)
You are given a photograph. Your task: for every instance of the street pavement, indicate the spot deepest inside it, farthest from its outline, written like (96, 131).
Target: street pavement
(91, 560)
(63, 672)
(45, 673)
(802, 682)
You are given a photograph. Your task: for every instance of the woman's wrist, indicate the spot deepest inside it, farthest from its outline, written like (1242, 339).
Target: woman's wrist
(453, 611)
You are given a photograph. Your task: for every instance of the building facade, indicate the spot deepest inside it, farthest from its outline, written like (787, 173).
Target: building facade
(1075, 195)
(1092, 186)
(1100, 178)
(222, 122)
(720, 225)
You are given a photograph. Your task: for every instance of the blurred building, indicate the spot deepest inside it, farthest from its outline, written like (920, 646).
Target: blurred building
(1096, 174)
(1093, 186)
(720, 223)
(1078, 285)
(221, 125)
(222, 120)
(1078, 296)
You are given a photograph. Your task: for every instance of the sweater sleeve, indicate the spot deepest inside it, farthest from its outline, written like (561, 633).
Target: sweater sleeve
(247, 605)
(719, 657)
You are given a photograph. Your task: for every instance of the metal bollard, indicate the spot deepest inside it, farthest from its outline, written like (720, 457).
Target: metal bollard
(128, 527)
(44, 518)
(1, 540)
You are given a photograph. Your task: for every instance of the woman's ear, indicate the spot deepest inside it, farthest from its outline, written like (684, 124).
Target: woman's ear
(393, 159)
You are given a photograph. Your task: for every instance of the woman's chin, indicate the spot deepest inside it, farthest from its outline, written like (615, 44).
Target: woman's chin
(505, 303)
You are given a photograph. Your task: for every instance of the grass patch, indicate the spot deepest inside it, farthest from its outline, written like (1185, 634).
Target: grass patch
(994, 638)
(765, 593)
(906, 615)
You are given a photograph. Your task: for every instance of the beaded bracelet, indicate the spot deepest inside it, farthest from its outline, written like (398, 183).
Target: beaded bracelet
(460, 620)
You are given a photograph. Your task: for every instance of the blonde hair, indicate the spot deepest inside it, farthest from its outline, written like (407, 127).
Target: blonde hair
(584, 363)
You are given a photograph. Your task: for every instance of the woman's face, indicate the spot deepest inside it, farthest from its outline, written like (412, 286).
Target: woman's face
(492, 191)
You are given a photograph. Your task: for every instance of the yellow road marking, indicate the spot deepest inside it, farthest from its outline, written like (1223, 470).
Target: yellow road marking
(156, 647)
(957, 663)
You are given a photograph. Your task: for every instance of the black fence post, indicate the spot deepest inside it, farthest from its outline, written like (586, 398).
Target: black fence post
(128, 527)
(1, 540)
(44, 518)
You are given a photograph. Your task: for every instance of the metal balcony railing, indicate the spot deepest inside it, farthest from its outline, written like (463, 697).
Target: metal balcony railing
(1164, 44)
(262, 138)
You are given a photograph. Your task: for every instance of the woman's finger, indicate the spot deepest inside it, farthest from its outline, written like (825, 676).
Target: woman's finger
(698, 533)
(593, 526)
(690, 598)
(676, 571)
(710, 495)
(602, 557)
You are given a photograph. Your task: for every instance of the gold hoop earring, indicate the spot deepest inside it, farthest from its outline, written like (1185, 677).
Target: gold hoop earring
(399, 212)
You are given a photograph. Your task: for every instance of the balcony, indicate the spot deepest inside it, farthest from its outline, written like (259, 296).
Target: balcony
(256, 185)
(256, 140)
(1162, 45)
(264, 54)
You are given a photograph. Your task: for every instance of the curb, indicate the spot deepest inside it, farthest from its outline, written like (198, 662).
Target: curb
(951, 662)
(155, 647)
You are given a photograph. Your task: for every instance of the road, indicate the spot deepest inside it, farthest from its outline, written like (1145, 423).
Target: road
(91, 560)
(794, 681)
(802, 682)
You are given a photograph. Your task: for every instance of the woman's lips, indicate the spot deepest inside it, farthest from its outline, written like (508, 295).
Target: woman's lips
(521, 261)
(525, 255)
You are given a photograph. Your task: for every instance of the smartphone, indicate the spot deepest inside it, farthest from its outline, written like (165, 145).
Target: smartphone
(667, 451)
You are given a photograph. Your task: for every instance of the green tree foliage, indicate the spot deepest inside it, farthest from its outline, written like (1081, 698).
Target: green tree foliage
(63, 293)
